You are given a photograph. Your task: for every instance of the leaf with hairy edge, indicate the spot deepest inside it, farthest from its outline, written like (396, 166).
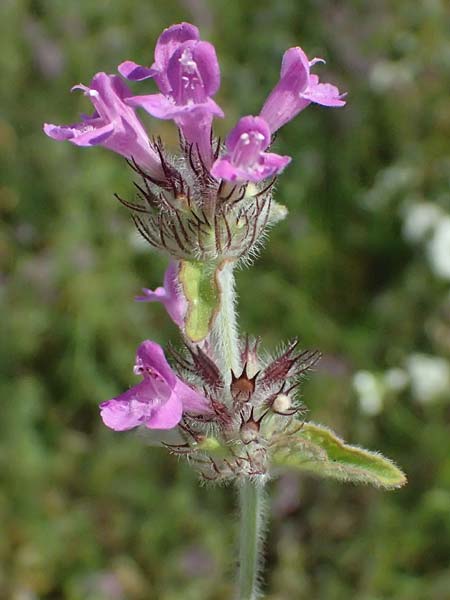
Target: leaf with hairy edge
(202, 292)
(317, 449)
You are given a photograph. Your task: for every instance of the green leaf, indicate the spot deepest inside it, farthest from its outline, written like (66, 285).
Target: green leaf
(202, 292)
(317, 449)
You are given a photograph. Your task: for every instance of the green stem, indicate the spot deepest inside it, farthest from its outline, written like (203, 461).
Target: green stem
(226, 345)
(225, 335)
(251, 503)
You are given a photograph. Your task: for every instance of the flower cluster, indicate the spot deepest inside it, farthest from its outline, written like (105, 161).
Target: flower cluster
(211, 201)
(209, 205)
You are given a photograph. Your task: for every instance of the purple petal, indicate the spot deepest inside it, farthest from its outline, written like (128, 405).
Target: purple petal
(193, 73)
(170, 295)
(107, 93)
(246, 159)
(157, 295)
(136, 406)
(285, 102)
(171, 278)
(81, 134)
(296, 62)
(94, 137)
(59, 132)
(157, 105)
(116, 414)
(176, 304)
(268, 165)
(223, 169)
(271, 164)
(282, 106)
(325, 94)
(164, 107)
(134, 72)
(209, 107)
(296, 89)
(246, 125)
(114, 124)
(204, 55)
(166, 45)
(192, 400)
(151, 361)
(170, 39)
(168, 415)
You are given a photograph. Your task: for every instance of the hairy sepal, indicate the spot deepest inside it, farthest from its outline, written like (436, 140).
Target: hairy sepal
(316, 449)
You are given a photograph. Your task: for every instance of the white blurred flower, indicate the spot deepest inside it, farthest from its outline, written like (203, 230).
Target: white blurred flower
(386, 75)
(430, 376)
(370, 393)
(396, 379)
(419, 219)
(389, 182)
(439, 249)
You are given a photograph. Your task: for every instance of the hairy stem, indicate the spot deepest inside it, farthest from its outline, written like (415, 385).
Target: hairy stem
(225, 333)
(225, 340)
(251, 504)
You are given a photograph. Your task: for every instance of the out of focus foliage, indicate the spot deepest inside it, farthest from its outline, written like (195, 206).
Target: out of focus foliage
(360, 269)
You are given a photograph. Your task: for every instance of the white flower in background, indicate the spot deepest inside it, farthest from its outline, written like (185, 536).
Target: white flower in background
(395, 179)
(430, 376)
(387, 75)
(439, 249)
(396, 379)
(419, 219)
(370, 393)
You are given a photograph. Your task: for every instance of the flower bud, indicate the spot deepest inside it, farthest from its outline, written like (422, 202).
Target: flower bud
(282, 403)
(249, 432)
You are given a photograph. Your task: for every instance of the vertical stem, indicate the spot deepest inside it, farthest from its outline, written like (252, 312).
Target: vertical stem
(251, 501)
(225, 333)
(225, 340)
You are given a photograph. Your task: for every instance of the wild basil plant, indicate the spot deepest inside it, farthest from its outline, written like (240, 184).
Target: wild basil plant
(232, 411)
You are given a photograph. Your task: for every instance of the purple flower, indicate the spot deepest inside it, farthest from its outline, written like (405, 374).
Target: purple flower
(193, 76)
(158, 402)
(167, 43)
(246, 159)
(170, 295)
(188, 75)
(296, 89)
(113, 125)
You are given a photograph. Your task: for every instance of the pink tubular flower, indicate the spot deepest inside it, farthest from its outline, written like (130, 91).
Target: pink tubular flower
(113, 125)
(193, 75)
(158, 402)
(246, 159)
(170, 295)
(296, 89)
(188, 75)
(167, 43)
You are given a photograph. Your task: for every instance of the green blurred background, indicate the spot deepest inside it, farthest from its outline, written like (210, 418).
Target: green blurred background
(359, 269)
